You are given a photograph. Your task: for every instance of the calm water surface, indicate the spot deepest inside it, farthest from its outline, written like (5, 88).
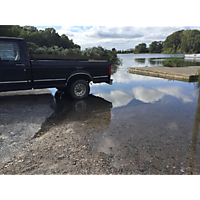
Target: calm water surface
(147, 125)
(154, 124)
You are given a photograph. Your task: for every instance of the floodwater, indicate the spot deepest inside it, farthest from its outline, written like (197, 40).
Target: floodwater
(149, 125)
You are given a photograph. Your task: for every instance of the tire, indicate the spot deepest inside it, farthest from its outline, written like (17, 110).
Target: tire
(79, 89)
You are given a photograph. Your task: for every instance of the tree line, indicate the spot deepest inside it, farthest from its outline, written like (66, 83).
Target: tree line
(179, 42)
(154, 47)
(48, 41)
(48, 37)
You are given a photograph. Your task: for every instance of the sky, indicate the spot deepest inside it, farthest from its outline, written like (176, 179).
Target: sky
(121, 38)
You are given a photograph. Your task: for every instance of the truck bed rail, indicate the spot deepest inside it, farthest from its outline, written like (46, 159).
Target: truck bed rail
(68, 57)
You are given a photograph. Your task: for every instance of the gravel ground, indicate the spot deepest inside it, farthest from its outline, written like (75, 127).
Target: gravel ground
(21, 116)
(61, 150)
(67, 148)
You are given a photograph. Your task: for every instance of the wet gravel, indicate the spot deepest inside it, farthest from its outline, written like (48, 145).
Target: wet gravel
(21, 116)
(67, 149)
(62, 150)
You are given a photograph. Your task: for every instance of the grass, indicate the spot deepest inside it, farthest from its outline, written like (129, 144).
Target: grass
(169, 62)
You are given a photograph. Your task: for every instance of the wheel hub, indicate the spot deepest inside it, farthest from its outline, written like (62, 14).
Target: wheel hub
(80, 90)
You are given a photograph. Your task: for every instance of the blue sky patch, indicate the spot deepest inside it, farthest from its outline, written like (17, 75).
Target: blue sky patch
(78, 28)
(55, 27)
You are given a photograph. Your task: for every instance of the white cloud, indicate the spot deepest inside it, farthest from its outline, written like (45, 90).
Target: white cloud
(175, 91)
(117, 97)
(115, 32)
(147, 95)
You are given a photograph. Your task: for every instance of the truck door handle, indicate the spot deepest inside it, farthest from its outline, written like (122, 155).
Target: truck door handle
(20, 65)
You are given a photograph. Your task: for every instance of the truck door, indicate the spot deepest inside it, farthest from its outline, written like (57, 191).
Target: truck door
(13, 74)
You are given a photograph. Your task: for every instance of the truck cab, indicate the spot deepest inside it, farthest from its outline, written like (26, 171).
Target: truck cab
(15, 73)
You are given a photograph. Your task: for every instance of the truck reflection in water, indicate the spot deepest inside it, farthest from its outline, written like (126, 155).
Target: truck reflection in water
(83, 110)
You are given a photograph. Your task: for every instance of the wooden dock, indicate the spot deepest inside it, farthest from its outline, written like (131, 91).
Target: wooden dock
(187, 74)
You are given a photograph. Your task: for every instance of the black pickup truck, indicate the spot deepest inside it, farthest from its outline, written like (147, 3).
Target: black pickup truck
(19, 71)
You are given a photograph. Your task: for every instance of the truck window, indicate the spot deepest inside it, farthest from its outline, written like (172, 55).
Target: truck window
(9, 51)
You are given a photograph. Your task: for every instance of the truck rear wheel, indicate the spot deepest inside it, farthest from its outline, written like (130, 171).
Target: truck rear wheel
(79, 89)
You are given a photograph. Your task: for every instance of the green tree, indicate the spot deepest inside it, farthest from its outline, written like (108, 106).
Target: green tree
(190, 41)
(48, 37)
(10, 30)
(172, 42)
(196, 47)
(184, 41)
(131, 50)
(32, 47)
(156, 47)
(51, 36)
(141, 48)
(30, 28)
(101, 52)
